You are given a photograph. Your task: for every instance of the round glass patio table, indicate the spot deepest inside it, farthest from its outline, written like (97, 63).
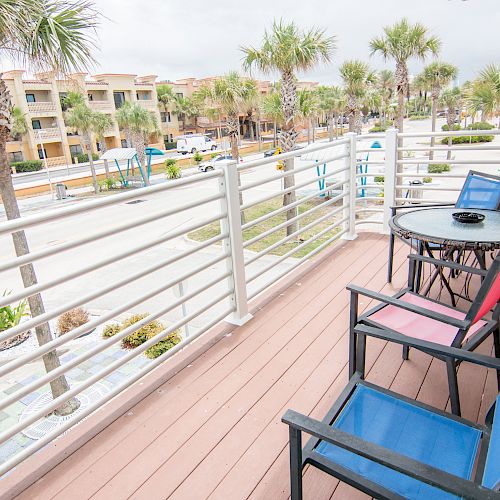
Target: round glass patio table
(436, 225)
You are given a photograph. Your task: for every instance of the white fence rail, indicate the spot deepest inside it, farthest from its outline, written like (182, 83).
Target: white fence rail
(191, 253)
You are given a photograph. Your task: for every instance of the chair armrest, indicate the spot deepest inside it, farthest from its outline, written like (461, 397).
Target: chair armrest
(449, 264)
(388, 458)
(443, 318)
(439, 349)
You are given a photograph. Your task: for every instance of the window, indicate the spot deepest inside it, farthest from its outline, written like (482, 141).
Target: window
(180, 95)
(75, 149)
(98, 146)
(15, 156)
(42, 153)
(119, 98)
(165, 116)
(124, 143)
(30, 98)
(36, 124)
(90, 97)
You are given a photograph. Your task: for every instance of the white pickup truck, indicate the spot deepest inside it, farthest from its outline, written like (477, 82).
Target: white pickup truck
(192, 143)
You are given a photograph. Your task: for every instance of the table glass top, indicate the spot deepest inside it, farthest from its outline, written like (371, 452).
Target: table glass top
(438, 224)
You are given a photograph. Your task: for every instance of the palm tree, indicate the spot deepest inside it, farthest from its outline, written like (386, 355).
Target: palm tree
(271, 108)
(139, 124)
(73, 98)
(385, 85)
(19, 125)
(357, 78)
(483, 95)
(451, 99)
(45, 35)
(332, 102)
(307, 110)
(420, 89)
(102, 123)
(81, 118)
(250, 105)
(166, 97)
(287, 49)
(186, 107)
(401, 42)
(437, 75)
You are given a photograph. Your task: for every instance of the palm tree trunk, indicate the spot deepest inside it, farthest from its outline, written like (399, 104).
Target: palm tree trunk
(451, 122)
(138, 142)
(287, 138)
(51, 360)
(330, 119)
(313, 131)
(104, 148)
(259, 131)
(433, 123)
(251, 131)
(275, 136)
(87, 140)
(308, 132)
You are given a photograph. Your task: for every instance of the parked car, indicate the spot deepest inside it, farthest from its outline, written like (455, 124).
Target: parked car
(277, 151)
(195, 142)
(206, 166)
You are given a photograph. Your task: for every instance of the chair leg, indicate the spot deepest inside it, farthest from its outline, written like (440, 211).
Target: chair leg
(353, 319)
(360, 355)
(406, 352)
(390, 261)
(451, 368)
(295, 463)
(496, 342)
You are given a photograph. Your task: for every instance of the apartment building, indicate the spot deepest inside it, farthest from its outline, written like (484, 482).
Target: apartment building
(41, 101)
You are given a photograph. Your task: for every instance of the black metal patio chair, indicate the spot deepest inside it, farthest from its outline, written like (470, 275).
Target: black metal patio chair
(392, 447)
(421, 318)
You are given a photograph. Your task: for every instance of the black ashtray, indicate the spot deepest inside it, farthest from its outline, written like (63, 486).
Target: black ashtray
(468, 217)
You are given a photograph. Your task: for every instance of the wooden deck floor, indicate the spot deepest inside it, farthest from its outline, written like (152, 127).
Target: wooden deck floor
(214, 430)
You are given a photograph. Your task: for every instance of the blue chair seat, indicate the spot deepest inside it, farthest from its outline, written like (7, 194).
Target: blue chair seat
(491, 476)
(407, 429)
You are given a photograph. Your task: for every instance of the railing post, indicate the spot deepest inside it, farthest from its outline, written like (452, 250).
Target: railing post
(231, 224)
(390, 179)
(349, 202)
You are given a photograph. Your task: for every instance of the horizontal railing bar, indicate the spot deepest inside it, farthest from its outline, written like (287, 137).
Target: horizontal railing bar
(291, 154)
(298, 263)
(417, 201)
(37, 445)
(370, 136)
(289, 173)
(278, 211)
(463, 147)
(286, 223)
(362, 210)
(46, 216)
(434, 176)
(451, 162)
(381, 173)
(370, 150)
(47, 252)
(296, 249)
(293, 235)
(39, 382)
(369, 221)
(371, 185)
(366, 198)
(370, 162)
(43, 318)
(424, 187)
(250, 204)
(4, 436)
(454, 133)
(39, 287)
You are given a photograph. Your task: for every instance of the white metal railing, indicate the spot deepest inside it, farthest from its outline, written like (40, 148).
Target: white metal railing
(191, 253)
(48, 133)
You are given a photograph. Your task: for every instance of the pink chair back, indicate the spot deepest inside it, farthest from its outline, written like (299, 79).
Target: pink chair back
(489, 293)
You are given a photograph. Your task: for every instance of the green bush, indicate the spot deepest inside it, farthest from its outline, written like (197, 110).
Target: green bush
(173, 172)
(438, 168)
(170, 145)
(480, 126)
(214, 155)
(419, 117)
(27, 166)
(466, 139)
(108, 184)
(170, 161)
(445, 127)
(163, 345)
(427, 180)
(379, 178)
(378, 128)
(111, 330)
(83, 158)
(198, 157)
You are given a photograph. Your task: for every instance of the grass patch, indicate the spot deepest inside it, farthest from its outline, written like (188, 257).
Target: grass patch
(257, 211)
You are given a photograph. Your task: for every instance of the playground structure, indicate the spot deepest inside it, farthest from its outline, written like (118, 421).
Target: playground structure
(363, 169)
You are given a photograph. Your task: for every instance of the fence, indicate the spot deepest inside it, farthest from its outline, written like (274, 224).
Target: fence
(189, 253)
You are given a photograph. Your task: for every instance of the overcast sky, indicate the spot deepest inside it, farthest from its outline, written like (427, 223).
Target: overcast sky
(181, 38)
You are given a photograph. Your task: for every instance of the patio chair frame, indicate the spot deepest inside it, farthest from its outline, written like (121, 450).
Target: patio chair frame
(322, 431)
(357, 349)
(394, 209)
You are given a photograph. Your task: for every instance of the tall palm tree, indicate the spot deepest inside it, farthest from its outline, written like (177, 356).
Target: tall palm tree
(451, 99)
(81, 118)
(102, 123)
(187, 107)
(44, 35)
(332, 102)
(385, 85)
(250, 105)
(483, 94)
(402, 42)
(307, 110)
(357, 78)
(287, 49)
(437, 75)
(19, 125)
(166, 98)
(420, 89)
(73, 98)
(138, 124)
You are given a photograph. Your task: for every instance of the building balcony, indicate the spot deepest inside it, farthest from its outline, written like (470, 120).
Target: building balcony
(102, 106)
(51, 134)
(261, 320)
(150, 105)
(42, 108)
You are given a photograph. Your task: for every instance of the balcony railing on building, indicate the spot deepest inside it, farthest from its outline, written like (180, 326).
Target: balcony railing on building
(48, 134)
(102, 106)
(42, 108)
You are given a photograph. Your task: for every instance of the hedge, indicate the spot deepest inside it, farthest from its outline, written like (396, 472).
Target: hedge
(480, 126)
(466, 139)
(438, 168)
(27, 166)
(83, 158)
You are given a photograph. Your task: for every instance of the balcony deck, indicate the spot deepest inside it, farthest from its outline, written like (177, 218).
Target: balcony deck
(213, 429)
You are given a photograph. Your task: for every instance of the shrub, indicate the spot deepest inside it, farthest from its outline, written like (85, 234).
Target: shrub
(466, 139)
(198, 157)
(379, 178)
(108, 184)
(170, 162)
(480, 126)
(111, 330)
(163, 345)
(10, 316)
(27, 166)
(170, 145)
(72, 319)
(445, 127)
(427, 180)
(173, 172)
(378, 128)
(83, 158)
(214, 155)
(438, 168)
(419, 117)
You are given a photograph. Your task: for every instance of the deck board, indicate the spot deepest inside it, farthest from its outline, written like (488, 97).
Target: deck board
(214, 430)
